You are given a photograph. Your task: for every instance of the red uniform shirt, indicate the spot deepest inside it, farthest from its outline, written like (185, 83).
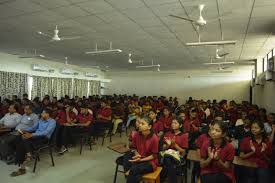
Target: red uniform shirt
(157, 127)
(147, 146)
(258, 156)
(105, 112)
(181, 139)
(202, 139)
(166, 121)
(62, 118)
(226, 153)
(84, 118)
(188, 127)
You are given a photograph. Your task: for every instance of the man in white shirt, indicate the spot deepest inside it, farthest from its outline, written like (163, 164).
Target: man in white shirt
(12, 118)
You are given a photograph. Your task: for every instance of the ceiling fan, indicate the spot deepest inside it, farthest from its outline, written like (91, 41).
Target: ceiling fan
(55, 37)
(199, 22)
(30, 55)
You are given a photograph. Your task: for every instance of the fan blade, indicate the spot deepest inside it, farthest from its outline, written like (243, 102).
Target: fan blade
(43, 34)
(23, 57)
(223, 54)
(70, 38)
(187, 19)
(6, 1)
(219, 17)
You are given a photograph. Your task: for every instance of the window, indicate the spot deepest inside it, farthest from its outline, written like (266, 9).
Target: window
(265, 64)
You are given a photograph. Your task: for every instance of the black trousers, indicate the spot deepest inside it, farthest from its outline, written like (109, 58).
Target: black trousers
(24, 146)
(255, 175)
(59, 135)
(137, 170)
(5, 148)
(215, 178)
(170, 168)
(69, 131)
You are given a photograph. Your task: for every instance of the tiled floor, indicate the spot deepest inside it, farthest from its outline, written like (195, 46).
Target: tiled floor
(96, 166)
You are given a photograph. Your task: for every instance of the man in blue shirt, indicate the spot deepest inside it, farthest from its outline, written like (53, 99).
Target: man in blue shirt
(39, 133)
(27, 121)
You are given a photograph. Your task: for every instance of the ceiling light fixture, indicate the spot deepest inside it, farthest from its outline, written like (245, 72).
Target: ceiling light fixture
(111, 50)
(211, 43)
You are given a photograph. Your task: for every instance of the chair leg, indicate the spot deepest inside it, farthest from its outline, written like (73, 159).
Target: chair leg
(115, 173)
(35, 162)
(51, 154)
(81, 145)
(111, 136)
(103, 138)
(90, 143)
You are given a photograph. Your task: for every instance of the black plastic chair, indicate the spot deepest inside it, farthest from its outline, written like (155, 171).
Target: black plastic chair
(85, 138)
(119, 162)
(101, 131)
(48, 145)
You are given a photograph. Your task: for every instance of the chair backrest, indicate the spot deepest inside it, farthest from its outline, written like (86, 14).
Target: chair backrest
(51, 140)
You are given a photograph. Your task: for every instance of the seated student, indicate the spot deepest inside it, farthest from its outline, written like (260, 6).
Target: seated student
(40, 132)
(268, 124)
(82, 123)
(157, 125)
(65, 117)
(257, 149)
(217, 156)
(144, 152)
(242, 129)
(178, 142)
(134, 132)
(11, 119)
(28, 119)
(158, 105)
(166, 119)
(104, 116)
(37, 109)
(118, 116)
(134, 113)
(192, 125)
(146, 107)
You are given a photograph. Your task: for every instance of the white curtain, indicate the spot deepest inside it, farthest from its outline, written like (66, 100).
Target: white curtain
(12, 83)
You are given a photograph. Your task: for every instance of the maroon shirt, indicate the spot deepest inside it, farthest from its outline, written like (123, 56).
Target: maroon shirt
(62, 118)
(202, 139)
(105, 112)
(166, 121)
(187, 126)
(157, 127)
(226, 153)
(258, 156)
(84, 118)
(181, 139)
(147, 146)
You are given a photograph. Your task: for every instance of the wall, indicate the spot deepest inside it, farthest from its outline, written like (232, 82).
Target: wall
(198, 86)
(264, 96)
(12, 63)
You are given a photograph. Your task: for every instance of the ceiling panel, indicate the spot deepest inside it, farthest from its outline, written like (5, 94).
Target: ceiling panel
(142, 27)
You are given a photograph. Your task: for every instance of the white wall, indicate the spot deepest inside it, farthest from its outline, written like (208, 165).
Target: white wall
(218, 87)
(264, 96)
(12, 63)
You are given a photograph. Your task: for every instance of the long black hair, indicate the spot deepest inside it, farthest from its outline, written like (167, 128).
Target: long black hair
(263, 133)
(224, 127)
